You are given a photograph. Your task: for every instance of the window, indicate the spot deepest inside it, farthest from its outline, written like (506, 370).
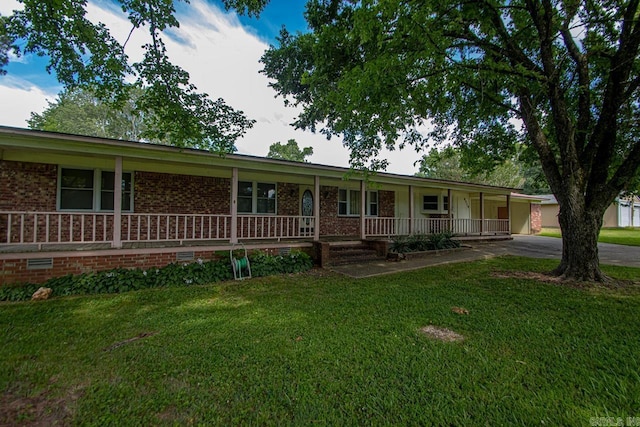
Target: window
(445, 203)
(108, 188)
(87, 189)
(76, 189)
(256, 197)
(429, 203)
(372, 203)
(349, 202)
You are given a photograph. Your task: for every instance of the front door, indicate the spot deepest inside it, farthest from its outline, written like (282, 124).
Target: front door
(307, 212)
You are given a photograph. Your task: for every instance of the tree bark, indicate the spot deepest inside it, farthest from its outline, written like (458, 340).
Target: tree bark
(580, 228)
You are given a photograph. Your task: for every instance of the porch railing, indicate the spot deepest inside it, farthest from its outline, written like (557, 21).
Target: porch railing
(29, 228)
(385, 227)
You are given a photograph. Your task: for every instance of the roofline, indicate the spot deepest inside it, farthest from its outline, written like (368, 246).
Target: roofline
(157, 150)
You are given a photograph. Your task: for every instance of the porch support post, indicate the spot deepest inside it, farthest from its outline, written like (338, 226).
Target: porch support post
(449, 210)
(481, 213)
(117, 204)
(363, 206)
(411, 209)
(509, 213)
(316, 208)
(234, 205)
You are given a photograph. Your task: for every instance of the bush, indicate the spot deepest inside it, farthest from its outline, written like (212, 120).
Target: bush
(423, 242)
(124, 280)
(263, 264)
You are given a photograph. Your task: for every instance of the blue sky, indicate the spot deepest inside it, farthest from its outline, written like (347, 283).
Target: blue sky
(221, 52)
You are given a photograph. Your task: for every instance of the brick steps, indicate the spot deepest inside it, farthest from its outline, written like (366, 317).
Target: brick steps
(352, 253)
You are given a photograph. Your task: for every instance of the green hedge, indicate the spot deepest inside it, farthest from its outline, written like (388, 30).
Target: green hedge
(177, 274)
(424, 242)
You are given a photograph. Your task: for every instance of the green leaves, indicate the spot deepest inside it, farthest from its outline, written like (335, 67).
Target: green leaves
(289, 151)
(84, 54)
(121, 280)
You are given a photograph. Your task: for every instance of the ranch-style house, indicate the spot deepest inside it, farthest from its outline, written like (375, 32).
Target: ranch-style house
(71, 204)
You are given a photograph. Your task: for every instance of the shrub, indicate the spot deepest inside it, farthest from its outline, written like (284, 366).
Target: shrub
(123, 280)
(263, 264)
(422, 242)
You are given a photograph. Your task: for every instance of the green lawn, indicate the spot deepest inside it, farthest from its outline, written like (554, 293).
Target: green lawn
(619, 236)
(316, 349)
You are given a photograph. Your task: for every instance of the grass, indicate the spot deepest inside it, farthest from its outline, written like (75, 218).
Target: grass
(618, 236)
(329, 350)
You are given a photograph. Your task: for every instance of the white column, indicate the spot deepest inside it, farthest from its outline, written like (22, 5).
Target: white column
(234, 205)
(117, 204)
(363, 208)
(449, 210)
(411, 208)
(481, 212)
(509, 213)
(316, 208)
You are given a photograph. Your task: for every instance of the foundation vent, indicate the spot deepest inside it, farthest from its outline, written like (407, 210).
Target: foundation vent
(284, 251)
(184, 256)
(39, 263)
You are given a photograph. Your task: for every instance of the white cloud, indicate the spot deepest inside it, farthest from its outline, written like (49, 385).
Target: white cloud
(19, 99)
(222, 58)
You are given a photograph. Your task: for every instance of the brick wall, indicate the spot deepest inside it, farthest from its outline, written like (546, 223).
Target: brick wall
(387, 203)
(333, 225)
(15, 271)
(288, 199)
(536, 218)
(28, 186)
(181, 194)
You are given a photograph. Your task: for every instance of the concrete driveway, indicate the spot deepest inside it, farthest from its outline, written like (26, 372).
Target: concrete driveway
(551, 247)
(521, 245)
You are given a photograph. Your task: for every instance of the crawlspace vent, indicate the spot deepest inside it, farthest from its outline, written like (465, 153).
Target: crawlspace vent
(39, 263)
(184, 256)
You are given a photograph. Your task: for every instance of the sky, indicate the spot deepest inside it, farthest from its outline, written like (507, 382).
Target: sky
(221, 52)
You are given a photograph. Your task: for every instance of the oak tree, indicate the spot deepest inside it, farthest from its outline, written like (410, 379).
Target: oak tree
(560, 76)
(83, 53)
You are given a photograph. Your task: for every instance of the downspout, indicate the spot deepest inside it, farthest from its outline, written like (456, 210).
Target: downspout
(316, 208)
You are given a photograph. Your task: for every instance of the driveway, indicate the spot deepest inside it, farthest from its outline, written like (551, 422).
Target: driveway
(521, 245)
(551, 247)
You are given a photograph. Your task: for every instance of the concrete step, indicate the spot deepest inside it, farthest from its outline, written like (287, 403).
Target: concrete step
(352, 255)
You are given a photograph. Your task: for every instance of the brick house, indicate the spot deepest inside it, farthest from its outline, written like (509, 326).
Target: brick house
(61, 213)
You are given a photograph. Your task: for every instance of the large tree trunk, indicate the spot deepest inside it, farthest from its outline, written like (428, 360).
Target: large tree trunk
(580, 230)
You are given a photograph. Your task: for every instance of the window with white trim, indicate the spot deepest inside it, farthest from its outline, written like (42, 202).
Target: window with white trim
(256, 197)
(92, 190)
(349, 203)
(430, 202)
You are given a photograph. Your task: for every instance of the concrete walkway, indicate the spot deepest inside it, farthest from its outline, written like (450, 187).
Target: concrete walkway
(521, 245)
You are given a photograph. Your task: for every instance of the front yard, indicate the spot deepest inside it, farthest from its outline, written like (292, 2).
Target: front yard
(319, 348)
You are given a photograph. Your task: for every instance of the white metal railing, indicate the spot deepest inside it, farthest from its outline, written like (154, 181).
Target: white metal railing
(496, 226)
(19, 228)
(275, 227)
(141, 227)
(28, 228)
(458, 226)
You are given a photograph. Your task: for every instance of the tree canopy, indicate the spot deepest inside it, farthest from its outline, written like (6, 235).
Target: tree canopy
(455, 164)
(560, 76)
(84, 54)
(289, 151)
(80, 112)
